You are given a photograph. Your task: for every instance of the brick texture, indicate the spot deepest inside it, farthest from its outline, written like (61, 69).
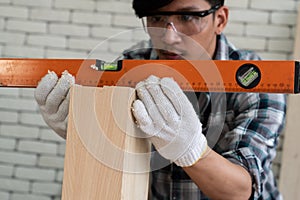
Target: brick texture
(31, 154)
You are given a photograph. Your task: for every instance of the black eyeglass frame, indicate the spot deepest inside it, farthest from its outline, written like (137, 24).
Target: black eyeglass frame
(203, 13)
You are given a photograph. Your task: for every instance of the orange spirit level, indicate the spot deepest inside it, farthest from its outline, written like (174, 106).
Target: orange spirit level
(191, 75)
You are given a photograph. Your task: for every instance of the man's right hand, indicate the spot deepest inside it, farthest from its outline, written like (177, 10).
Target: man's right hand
(52, 96)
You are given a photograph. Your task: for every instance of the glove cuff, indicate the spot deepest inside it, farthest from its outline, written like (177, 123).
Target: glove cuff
(195, 152)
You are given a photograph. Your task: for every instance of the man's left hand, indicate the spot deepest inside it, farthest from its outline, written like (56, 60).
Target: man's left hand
(166, 116)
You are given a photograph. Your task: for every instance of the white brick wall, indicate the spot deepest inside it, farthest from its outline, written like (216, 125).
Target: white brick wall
(100, 18)
(7, 38)
(274, 5)
(26, 26)
(49, 15)
(33, 3)
(24, 51)
(7, 143)
(14, 185)
(47, 41)
(35, 174)
(86, 5)
(6, 170)
(69, 30)
(31, 154)
(22, 196)
(18, 157)
(14, 11)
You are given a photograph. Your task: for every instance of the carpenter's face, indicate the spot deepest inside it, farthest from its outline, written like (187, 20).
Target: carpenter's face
(184, 36)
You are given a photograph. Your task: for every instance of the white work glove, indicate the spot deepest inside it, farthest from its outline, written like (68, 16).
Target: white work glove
(52, 96)
(166, 116)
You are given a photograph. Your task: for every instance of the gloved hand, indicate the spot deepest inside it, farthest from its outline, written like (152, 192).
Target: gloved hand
(166, 116)
(52, 96)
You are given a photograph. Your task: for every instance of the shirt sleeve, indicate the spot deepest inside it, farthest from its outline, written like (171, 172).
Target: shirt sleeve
(252, 137)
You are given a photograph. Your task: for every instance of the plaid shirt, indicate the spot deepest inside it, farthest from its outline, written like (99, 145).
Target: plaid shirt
(249, 125)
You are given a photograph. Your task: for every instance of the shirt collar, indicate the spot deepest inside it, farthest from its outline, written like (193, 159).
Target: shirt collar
(224, 48)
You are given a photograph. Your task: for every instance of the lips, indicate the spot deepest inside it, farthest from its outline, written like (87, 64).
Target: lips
(170, 55)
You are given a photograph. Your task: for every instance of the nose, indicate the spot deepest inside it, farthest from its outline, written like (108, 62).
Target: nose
(171, 35)
(171, 25)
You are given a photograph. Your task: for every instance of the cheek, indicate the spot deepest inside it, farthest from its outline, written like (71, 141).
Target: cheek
(197, 49)
(206, 39)
(205, 36)
(201, 47)
(202, 41)
(156, 41)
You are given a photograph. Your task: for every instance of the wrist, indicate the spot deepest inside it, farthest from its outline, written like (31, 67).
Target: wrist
(195, 151)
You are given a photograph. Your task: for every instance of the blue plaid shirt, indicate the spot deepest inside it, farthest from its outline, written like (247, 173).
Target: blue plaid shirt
(249, 125)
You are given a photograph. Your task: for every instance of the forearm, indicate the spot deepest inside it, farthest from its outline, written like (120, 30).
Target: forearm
(218, 178)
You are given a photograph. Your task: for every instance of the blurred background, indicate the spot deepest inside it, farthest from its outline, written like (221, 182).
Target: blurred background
(32, 155)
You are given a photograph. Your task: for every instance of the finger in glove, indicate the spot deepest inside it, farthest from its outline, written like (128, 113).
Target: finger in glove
(63, 110)
(162, 102)
(59, 92)
(179, 100)
(142, 117)
(149, 105)
(44, 87)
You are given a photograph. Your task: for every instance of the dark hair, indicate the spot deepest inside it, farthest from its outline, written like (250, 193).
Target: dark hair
(141, 6)
(215, 2)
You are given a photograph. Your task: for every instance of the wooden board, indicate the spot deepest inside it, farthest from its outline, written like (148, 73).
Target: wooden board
(297, 38)
(289, 181)
(104, 159)
(290, 165)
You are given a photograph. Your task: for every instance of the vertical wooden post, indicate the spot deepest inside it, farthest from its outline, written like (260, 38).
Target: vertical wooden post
(289, 181)
(297, 38)
(104, 159)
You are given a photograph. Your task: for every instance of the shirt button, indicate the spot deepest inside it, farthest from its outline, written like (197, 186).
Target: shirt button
(174, 196)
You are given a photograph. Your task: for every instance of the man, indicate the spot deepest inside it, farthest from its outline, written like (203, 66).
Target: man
(238, 164)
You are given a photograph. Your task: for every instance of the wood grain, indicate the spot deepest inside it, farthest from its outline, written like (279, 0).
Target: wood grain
(104, 159)
(289, 181)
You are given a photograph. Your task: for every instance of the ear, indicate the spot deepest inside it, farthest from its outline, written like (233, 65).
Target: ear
(221, 19)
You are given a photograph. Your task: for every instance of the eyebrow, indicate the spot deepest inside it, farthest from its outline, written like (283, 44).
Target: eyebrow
(190, 8)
